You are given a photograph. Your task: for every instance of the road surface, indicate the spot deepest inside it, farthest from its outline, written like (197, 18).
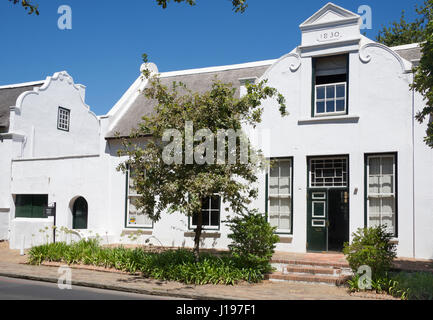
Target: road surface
(19, 289)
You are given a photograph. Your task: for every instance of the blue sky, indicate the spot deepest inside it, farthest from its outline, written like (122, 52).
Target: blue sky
(103, 50)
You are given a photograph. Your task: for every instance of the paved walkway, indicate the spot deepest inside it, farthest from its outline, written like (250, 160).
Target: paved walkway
(338, 259)
(13, 265)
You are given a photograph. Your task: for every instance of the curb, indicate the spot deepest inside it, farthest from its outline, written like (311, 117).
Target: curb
(115, 288)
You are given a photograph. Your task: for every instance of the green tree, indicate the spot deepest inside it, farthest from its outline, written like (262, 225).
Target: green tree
(238, 5)
(421, 31)
(178, 186)
(32, 8)
(401, 32)
(423, 81)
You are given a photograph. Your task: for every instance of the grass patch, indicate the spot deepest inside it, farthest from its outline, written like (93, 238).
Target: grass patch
(174, 265)
(404, 285)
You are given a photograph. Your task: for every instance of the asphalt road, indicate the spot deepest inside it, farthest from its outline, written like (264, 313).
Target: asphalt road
(19, 289)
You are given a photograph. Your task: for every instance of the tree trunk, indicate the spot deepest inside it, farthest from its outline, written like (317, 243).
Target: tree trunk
(197, 231)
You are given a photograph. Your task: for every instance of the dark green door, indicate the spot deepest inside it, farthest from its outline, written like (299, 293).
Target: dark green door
(317, 221)
(79, 214)
(338, 219)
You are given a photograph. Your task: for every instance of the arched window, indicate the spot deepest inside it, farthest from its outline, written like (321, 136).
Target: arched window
(79, 214)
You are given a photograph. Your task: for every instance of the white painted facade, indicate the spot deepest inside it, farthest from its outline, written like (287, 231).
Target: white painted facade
(40, 159)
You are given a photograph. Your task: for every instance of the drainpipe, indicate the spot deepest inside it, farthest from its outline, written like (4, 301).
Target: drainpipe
(413, 170)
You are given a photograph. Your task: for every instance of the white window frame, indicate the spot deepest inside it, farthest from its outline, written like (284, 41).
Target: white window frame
(335, 99)
(130, 195)
(282, 196)
(210, 210)
(381, 196)
(310, 173)
(63, 119)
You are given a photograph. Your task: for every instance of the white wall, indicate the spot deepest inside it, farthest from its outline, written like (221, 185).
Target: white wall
(36, 116)
(5, 150)
(379, 96)
(423, 188)
(63, 181)
(64, 165)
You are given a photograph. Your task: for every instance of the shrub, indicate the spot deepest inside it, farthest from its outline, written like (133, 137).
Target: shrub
(371, 247)
(174, 265)
(253, 240)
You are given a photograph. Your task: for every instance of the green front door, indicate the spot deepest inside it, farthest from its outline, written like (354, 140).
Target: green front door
(317, 221)
(79, 214)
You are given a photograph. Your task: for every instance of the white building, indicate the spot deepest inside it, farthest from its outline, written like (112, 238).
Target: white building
(349, 155)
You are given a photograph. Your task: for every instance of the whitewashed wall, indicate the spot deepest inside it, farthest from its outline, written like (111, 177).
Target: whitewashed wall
(35, 116)
(63, 165)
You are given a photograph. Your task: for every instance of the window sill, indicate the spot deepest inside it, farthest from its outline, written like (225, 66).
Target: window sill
(394, 241)
(330, 119)
(132, 230)
(285, 239)
(214, 235)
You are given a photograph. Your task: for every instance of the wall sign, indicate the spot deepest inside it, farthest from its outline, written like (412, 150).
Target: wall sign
(329, 36)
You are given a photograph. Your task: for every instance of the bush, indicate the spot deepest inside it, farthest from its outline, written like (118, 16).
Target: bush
(371, 247)
(174, 265)
(253, 240)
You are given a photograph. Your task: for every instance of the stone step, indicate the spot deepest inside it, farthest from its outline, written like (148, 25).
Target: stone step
(293, 268)
(334, 264)
(310, 278)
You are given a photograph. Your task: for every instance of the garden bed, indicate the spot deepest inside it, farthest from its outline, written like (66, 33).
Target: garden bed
(171, 265)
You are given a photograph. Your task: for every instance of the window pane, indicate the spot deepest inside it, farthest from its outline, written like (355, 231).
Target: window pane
(215, 203)
(23, 206)
(339, 105)
(373, 185)
(274, 205)
(320, 107)
(319, 209)
(273, 220)
(330, 106)
(381, 182)
(341, 91)
(386, 186)
(388, 213)
(210, 212)
(284, 222)
(194, 219)
(329, 172)
(374, 166)
(374, 175)
(330, 92)
(136, 216)
(374, 212)
(320, 93)
(285, 205)
(131, 182)
(215, 218)
(285, 177)
(387, 175)
(279, 211)
(39, 202)
(273, 178)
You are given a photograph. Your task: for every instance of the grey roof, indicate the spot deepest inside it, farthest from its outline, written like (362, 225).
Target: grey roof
(196, 82)
(8, 98)
(411, 54)
(200, 82)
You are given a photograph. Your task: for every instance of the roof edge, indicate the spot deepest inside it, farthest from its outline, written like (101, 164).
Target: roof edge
(218, 68)
(23, 84)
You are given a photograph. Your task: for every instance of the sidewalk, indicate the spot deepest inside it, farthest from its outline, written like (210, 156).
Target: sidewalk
(12, 265)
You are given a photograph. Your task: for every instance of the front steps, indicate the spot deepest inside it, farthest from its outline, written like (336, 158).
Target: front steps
(324, 272)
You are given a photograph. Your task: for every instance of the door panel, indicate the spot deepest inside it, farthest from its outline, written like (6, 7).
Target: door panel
(317, 230)
(338, 215)
(79, 214)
